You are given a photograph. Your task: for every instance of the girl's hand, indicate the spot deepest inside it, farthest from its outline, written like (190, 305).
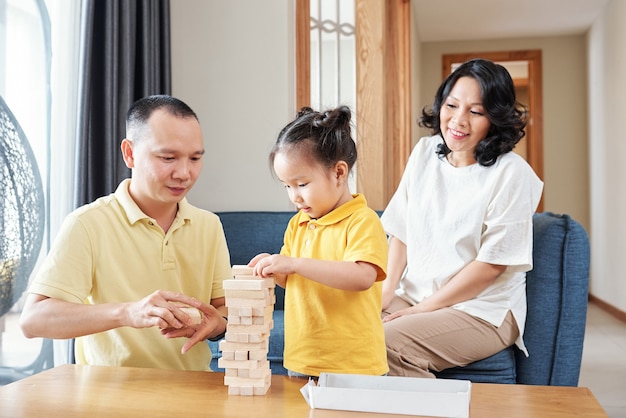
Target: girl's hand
(262, 265)
(254, 263)
(272, 265)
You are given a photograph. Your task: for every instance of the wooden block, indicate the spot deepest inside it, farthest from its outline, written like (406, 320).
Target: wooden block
(226, 345)
(241, 270)
(259, 355)
(259, 320)
(253, 303)
(261, 390)
(250, 329)
(246, 277)
(240, 311)
(194, 313)
(241, 355)
(246, 390)
(238, 364)
(255, 337)
(248, 382)
(247, 294)
(262, 310)
(241, 381)
(261, 371)
(251, 284)
(231, 372)
(228, 355)
(246, 337)
(236, 337)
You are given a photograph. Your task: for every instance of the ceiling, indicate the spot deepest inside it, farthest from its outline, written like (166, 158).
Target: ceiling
(465, 20)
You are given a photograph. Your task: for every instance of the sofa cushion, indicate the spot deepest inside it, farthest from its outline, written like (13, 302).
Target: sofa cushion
(499, 368)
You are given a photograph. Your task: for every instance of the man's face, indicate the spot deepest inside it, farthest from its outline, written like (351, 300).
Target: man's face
(165, 163)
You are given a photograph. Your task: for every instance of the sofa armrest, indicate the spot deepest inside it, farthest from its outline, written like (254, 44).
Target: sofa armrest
(557, 296)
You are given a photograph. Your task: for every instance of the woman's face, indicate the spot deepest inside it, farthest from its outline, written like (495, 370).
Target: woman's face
(463, 121)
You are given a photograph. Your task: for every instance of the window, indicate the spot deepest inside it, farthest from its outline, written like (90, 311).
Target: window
(333, 62)
(38, 79)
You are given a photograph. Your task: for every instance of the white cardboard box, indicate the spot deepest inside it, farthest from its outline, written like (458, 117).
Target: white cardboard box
(390, 395)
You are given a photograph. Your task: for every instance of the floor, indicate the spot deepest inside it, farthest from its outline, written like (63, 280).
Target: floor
(603, 365)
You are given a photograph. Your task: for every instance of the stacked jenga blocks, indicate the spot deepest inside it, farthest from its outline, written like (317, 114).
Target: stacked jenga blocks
(250, 301)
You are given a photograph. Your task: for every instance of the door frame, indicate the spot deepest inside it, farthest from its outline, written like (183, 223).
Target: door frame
(383, 91)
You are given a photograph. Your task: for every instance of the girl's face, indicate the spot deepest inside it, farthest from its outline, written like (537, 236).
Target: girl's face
(313, 188)
(463, 121)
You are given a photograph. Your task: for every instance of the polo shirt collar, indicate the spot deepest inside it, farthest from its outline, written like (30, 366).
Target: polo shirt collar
(134, 214)
(342, 212)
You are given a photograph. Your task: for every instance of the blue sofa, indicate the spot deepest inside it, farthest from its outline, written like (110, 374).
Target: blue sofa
(557, 294)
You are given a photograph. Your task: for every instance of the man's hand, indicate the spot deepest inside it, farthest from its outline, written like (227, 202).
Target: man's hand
(55, 318)
(212, 322)
(160, 309)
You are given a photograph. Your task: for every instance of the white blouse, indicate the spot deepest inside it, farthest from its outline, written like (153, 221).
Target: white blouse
(449, 216)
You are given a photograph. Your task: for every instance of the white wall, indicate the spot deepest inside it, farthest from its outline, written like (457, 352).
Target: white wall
(607, 149)
(233, 63)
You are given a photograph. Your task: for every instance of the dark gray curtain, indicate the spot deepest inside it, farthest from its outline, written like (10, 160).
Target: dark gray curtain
(125, 55)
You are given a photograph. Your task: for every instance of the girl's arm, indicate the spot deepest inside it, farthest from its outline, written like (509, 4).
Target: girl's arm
(343, 275)
(468, 283)
(395, 268)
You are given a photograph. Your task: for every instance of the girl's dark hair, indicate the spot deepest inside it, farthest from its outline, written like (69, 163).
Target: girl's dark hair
(325, 136)
(507, 116)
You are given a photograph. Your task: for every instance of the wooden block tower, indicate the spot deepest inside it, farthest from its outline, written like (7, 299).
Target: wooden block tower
(250, 301)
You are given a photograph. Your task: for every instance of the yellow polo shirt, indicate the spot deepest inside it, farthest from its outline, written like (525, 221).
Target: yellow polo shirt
(110, 251)
(327, 329)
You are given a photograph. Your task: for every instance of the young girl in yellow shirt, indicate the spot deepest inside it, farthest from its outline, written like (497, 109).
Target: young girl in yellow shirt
(334, 256)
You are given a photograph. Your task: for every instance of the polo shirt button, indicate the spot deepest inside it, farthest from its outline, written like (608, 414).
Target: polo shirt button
(311, 226)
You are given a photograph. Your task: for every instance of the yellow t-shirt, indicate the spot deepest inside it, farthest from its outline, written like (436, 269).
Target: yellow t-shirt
(110, 251)
(327, 329)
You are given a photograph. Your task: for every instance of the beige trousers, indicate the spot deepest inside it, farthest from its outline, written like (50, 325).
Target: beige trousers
(421, 343)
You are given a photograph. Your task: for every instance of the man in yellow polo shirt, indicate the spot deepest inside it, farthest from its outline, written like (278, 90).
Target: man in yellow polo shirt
(122, 267)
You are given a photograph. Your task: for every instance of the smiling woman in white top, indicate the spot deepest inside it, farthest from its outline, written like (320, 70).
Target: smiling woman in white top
(460, 226)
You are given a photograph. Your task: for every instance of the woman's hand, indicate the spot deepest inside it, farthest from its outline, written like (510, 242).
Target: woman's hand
(403, 312)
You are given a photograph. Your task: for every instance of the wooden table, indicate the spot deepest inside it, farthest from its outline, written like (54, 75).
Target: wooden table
(81, 391)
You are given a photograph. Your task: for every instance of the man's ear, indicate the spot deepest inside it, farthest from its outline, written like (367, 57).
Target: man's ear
(127, 152)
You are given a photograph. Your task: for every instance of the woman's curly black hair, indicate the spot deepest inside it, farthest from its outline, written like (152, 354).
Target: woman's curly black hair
(507, 116)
